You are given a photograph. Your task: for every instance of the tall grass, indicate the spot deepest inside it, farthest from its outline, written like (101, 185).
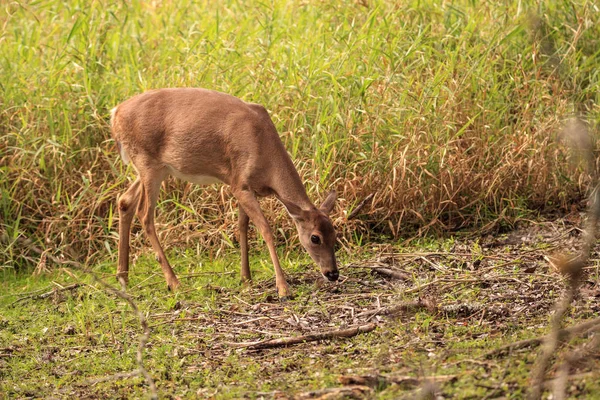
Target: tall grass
(445, 111)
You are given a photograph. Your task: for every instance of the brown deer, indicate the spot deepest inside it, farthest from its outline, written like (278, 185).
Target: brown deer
(204, 137)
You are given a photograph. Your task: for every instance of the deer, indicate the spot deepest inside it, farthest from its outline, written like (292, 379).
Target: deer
(204, 137)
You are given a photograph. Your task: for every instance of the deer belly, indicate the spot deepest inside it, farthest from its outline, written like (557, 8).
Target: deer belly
(197, 179)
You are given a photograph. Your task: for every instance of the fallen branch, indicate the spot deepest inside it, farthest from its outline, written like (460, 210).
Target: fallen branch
(29, 244)
(552, 340)
(115, 377)
(390, 273)
(47, 294)
(289, 341)
(387, 272)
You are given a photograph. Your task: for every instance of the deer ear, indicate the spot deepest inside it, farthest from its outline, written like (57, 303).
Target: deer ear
(295, 212)
(327, 205)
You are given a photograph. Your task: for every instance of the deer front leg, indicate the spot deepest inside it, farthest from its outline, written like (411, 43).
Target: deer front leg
(250, 205)
(151, 181)
(243, 226)
(127, 205)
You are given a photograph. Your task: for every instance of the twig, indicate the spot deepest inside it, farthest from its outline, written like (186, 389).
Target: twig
(433, 265)
(288, 341)
(464, 280)
(387, 272)
(29, 244)
(143, 338)
(47, 294)
(390, 273)
(551, 342)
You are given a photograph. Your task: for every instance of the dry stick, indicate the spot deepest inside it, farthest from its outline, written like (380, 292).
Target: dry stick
(388, 272)
(574, 269)
(288, 341)
(29, 244)
(123, 295)
(47, 294)
(117, 376)
(551, 342)
(463, 280)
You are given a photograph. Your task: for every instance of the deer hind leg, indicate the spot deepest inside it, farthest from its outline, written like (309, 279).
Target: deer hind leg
(127, 205)
(243, 220)
(252, 208)
(151, 181)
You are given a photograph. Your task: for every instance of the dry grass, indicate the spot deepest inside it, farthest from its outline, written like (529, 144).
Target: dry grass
(445, 113)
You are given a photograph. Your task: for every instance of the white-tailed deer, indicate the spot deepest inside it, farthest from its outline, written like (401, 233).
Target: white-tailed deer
(203, 136)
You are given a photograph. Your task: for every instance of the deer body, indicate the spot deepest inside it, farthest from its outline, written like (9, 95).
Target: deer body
(204, 137)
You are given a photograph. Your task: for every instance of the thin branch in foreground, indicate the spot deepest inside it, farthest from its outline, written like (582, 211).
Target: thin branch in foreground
(560, 383)
(119, 293)
(551, 342)
(289, 341)
(577, 132)
(143, 337)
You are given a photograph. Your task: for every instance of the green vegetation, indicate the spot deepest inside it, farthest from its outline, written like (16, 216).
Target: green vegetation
(447, 113)
(75, 343)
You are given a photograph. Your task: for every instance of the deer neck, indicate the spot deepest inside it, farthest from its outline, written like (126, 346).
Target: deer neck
(290, 190)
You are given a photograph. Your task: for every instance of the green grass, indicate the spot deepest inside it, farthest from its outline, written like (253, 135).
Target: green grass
(73, 343)
(448, 113)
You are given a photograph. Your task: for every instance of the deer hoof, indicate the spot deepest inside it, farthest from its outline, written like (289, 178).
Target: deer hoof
(173, 285)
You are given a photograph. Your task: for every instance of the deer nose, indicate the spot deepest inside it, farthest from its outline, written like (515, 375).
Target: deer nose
(332, 275)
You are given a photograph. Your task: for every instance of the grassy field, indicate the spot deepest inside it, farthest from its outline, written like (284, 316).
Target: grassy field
(466, 298)
(447, 112)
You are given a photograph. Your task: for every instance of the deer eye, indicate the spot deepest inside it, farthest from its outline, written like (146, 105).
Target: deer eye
(315, 239)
